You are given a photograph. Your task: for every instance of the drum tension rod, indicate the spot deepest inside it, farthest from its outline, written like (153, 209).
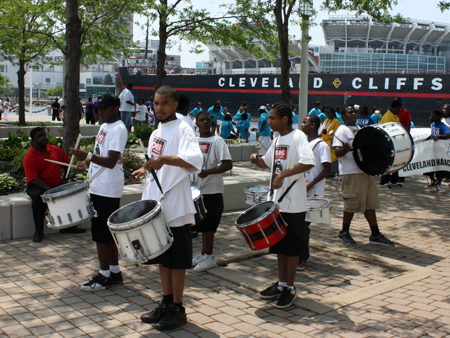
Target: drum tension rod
(260, 228)
(249, 241)
(276, 223)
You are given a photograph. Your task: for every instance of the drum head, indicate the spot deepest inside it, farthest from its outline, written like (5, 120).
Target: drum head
(132, 211)
(256, 189)
(253, 213)
(195, 193)
(63, 191)
(372, 150)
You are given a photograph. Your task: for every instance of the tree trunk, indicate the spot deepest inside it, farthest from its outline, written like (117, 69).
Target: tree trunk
(160, 65)
(21, 84)
(72, 76)
(283, 38)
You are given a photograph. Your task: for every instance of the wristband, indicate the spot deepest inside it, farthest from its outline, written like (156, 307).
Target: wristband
(89, 156)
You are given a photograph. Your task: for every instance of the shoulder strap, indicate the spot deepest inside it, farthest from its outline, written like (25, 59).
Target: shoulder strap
(316, 143)
(273, 166)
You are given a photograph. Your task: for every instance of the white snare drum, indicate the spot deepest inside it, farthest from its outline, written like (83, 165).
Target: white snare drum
(140, 231)
(319, 211)
(68, 205)
(382, 148)
(255, 192)
(199, 205)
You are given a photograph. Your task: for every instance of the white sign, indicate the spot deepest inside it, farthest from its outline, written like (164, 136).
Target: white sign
(429, 156)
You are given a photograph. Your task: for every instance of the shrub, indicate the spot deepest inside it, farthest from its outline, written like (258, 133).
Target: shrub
(131, 161)
(143, 132)
(17, 162)
(133, 141)
(7, 182)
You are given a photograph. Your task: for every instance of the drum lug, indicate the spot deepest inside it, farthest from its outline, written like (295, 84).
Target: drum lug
(248, 238)
(50, 221)
(91, 211)
(138, 249)
(284, 222)
(276, 223)
(321, 213)
(59, 219)
(262, 231)
(69, 216)
(80, 214)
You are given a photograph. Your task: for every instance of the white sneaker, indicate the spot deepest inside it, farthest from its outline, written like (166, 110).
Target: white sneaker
(205, 264)
(438, 188)
(197, 259)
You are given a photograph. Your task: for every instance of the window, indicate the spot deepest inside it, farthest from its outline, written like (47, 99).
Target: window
(48, 80)
(98, 80)
(88, 81)
(3, 68)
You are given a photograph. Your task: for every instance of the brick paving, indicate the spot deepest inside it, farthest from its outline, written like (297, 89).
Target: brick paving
(40, 295)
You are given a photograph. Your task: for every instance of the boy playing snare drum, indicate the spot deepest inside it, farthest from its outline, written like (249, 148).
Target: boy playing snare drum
(289, 157)
(216, 160)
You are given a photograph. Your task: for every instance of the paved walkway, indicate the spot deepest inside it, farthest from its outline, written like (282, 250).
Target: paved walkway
(359, 291)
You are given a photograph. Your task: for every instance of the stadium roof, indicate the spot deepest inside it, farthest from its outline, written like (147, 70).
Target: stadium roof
(350, 31)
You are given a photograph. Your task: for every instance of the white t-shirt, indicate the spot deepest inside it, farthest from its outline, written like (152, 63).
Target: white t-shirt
(347, 164)
(291, 149)
(322, 155)
(6, 107)
(60, 101)
(186, 119)
(141, 110)
(109, 183)
(174, 138)
(214, 151)
(124, 97)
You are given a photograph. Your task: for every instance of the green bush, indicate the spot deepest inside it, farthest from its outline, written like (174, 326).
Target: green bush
(133, 141)
(6, 153)
(131, 161)
(143, 132)
(7, 182)
(17, 162)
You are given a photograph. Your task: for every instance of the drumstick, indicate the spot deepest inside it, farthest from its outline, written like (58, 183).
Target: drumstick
(152, 171)
(126, 172)
(73, 156)
(60, 163)
(262, 145)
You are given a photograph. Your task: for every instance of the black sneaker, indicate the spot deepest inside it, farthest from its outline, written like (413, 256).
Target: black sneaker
(117, 278)
(38, 237)
(287, 297)
(173, 317)
(345, 237)
(380, 240)
(271, 292)
(98, 283)
(301, 266)
(156, 314)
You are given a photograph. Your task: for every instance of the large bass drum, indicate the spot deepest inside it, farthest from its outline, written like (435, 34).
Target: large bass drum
(382, 149)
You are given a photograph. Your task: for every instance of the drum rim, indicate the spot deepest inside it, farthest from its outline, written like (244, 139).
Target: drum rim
(79, 186)
(246, 189)
(195, 188)
(260, 218)
(131, 225)
(323, 206)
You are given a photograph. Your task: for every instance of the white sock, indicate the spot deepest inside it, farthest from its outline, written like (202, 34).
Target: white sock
(282, 283)
(209, 256)
(114, 268)
(106, 273)
(291, 287)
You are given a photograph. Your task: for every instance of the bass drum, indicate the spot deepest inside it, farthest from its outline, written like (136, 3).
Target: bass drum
(382, 149)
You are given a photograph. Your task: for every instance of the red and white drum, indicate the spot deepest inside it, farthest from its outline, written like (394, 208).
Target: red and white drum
(261, 225)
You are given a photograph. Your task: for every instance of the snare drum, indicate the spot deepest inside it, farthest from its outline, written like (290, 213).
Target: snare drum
(382, 149)
(199, 205)
(68, 205)
(140, 231)
(319, 211)
(253, 193)
(261, 225)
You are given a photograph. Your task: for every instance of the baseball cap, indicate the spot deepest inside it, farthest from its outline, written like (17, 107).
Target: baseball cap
(262, 108)
(107, 100)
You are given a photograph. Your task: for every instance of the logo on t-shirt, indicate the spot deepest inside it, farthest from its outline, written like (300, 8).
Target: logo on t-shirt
(281, 153)
(101, 136)
(158, 146)
(205, 147)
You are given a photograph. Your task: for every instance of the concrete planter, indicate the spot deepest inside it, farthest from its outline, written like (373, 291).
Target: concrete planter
(85, 130)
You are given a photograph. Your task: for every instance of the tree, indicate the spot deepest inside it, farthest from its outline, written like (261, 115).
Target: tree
(179, 19)
(93, 29)
(5, 87)
(108, 80)
(25, 28)
(56, 91)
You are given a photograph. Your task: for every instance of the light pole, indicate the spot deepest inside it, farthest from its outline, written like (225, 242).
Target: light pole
(306, 10)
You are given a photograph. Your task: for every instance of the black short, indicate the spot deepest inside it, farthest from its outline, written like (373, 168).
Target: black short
(104, 206)
(214, 207)
(179, 255)
(291, 244)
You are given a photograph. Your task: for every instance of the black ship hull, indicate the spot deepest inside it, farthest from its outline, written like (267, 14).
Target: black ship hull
(421, 93)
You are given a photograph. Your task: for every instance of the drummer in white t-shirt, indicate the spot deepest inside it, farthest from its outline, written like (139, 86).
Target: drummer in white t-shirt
(315, 179)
